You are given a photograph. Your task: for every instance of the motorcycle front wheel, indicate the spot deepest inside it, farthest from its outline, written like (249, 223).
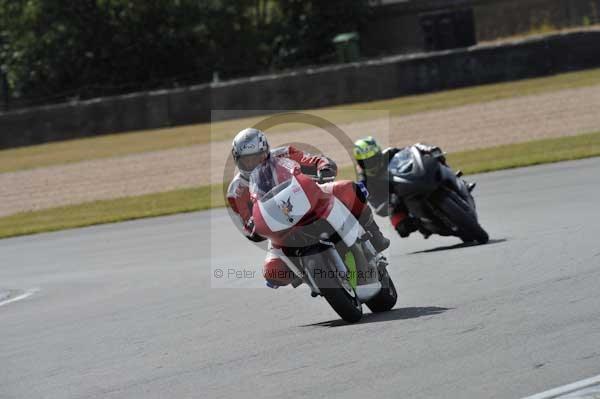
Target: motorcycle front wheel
(459, 213)
(340, 295)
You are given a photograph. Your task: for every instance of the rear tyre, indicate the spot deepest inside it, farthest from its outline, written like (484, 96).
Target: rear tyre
(340, 295)
(460, 214)
(386, 298)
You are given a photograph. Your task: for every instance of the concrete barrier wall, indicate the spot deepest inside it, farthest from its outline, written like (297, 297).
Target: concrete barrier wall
(396, 28)
(332, 85)
(502, 18)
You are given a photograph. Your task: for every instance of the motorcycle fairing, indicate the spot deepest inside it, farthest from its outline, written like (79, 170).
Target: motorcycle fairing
(344, 223)
(286, 208)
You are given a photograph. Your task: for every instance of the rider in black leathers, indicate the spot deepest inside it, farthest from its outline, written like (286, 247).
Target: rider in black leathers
(373, 174)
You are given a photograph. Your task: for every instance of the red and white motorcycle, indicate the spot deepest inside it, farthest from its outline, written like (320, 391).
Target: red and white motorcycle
(325, 245)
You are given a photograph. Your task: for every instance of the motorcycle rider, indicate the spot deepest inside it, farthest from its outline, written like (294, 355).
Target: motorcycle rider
(373, 173)
(249, 149)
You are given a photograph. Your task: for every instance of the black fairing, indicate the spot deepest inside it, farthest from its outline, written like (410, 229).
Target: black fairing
(415, 176)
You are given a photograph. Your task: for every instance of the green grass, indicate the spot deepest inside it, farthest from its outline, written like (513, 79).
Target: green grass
(160, 139)
(188, 200)
(527, 154)
(110, 211)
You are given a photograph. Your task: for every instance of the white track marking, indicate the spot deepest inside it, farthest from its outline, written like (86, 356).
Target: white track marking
(567, 389)
(24, 295)
(585, 393)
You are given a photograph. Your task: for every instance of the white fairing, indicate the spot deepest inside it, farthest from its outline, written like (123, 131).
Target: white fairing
(344, 223)
(292, 200)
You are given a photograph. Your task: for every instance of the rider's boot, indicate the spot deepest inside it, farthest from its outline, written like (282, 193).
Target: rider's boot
(380, 243)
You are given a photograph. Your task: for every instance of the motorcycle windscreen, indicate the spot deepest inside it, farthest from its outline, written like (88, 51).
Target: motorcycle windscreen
(286, 207)
(402, 163)
(266, 179)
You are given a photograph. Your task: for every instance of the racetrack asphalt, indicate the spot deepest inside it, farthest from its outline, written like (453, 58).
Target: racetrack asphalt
(127, 310)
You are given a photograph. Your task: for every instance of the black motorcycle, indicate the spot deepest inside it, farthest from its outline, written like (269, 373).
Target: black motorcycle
(436, 197)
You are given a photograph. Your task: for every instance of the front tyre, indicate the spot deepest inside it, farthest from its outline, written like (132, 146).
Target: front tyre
(340, 295)
(461, 215)
(386, 298)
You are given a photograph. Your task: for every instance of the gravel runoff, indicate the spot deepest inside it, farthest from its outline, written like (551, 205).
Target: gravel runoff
(562, 113)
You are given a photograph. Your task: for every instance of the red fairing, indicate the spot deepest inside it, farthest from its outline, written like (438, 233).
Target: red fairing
(345, 191)
(238, 195)
(321, 204)
(320, 201)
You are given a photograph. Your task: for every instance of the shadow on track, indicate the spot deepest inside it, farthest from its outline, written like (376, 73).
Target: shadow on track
(394, 314)
(458, 246)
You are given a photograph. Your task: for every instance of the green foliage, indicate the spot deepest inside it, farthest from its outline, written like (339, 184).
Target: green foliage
(57, 49)
(62, 45)
(306, 28)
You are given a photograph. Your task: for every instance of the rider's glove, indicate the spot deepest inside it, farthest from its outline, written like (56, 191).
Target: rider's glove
(326, 174)
(426, 148)
(251, 232)
(255, 238)
(433, 150)
(271, 285)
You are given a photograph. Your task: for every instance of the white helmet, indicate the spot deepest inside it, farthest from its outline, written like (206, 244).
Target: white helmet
(249, 149)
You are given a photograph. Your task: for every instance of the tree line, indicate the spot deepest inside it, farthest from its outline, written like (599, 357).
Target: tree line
(56, 50)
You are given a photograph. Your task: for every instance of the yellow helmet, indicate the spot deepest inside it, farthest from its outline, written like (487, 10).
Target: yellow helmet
(368, 155)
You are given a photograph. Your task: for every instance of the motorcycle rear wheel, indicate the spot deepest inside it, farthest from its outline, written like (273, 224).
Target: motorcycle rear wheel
(386, 298)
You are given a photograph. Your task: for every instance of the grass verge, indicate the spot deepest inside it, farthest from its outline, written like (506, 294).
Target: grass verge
(111, 211)
(160, 139)
(195, 199)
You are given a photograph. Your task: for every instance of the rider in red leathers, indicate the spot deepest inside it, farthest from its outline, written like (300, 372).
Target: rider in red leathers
(249, 149)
